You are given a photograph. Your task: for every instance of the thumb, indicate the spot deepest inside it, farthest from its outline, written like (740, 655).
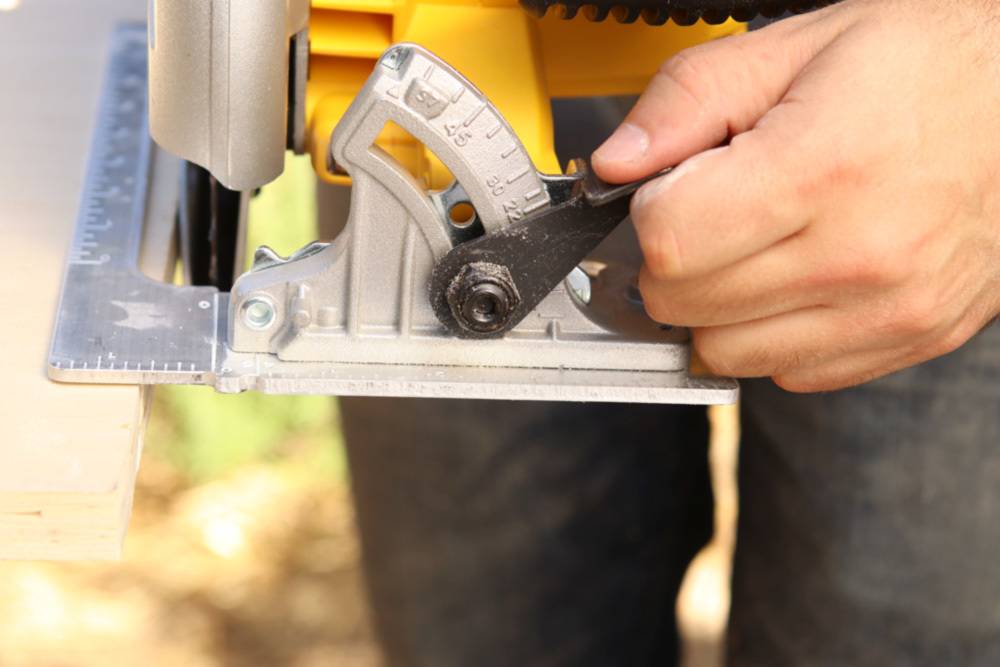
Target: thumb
(713, 91)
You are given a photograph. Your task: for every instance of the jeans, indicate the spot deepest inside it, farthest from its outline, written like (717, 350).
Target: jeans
(557, 534)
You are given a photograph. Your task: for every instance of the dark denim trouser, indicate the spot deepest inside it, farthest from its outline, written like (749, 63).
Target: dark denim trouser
(557, 534)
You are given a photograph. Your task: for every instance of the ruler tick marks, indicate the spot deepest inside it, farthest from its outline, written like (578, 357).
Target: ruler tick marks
(474, 115)
(510, 151)
(520, 174)
(215, 329)
(534, 193)
(493, 132)
(458, 94)
(534, 207)
(429, 73)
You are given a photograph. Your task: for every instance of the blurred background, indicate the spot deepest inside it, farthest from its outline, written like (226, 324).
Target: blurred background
(242, 548)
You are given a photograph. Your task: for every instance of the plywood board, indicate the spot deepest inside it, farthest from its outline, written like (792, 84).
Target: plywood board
(68, 454)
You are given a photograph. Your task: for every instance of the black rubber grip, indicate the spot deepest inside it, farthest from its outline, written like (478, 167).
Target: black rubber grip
(681, 12)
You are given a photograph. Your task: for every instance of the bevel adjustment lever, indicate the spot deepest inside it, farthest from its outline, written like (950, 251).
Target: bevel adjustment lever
(484, 287)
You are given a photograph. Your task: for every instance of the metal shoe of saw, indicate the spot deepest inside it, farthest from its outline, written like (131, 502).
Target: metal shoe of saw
(410, 299)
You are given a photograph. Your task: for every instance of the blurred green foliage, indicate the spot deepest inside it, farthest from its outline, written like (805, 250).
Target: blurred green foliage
(207, 435)
(283, 215)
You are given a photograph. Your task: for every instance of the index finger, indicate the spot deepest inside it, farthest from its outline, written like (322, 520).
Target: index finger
(720, 206)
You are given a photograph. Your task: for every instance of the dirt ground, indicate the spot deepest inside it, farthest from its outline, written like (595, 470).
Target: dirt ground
(246, 570)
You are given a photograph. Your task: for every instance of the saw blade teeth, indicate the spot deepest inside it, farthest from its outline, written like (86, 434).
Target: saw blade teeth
(567, 10)
(655, 16)
(683, 17)
(715, 17)
(681, 12)
(626, 13)
(596, 13)
(537, 8)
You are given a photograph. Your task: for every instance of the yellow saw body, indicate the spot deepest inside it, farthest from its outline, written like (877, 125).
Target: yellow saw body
(520, 62)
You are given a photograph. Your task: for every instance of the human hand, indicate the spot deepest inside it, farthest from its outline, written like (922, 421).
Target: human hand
(851, 227)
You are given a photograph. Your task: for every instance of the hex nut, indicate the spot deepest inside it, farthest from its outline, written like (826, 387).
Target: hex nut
(483, 297)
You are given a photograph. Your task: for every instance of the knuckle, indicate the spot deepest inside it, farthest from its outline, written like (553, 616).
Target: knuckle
(881, 264)
(656, 307)
(954, 338)
(660, 249)
(836, 173)
(663, 304)
(876, 256)
(715, 357)
(690, 71)
(916, 314)
(718, 367)
(721, 358)
(761, 359)
(669, 243)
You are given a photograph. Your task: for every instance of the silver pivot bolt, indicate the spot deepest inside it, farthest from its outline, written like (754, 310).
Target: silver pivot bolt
(258, 313)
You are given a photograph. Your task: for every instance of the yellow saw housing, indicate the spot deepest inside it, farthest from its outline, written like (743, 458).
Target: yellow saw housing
(520, 62)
